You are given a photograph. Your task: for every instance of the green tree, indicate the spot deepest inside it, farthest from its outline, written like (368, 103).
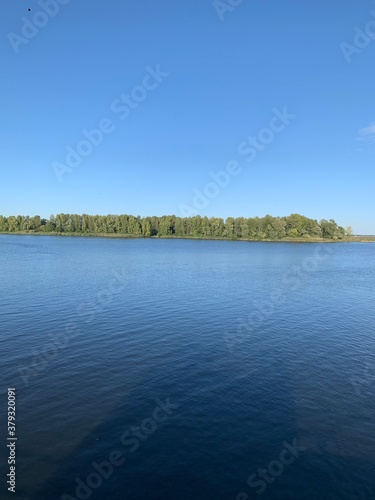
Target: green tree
(229, 227)
(146, 227)
(12, 224)
(329, 228)
(3, 224)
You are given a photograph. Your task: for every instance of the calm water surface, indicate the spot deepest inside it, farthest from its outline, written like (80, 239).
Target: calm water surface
(254, 346)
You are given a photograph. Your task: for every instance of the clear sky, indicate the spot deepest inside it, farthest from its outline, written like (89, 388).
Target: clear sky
(217, 73)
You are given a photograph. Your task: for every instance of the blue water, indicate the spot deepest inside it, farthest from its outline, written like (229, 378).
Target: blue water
(254, 346)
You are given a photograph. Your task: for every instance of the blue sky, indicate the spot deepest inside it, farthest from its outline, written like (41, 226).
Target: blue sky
(225, 70)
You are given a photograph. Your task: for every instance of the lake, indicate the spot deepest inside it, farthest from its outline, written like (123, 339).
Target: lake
(187, 369)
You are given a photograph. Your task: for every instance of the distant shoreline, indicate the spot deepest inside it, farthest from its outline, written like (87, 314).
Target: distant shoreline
(351, 239)
(293, 227)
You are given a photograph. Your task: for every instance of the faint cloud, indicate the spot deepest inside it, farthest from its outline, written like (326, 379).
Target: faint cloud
(367, 133)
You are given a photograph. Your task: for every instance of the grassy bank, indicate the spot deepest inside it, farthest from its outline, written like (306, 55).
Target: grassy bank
(347, 239)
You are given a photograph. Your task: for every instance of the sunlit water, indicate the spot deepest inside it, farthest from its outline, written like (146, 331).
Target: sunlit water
(255, 345)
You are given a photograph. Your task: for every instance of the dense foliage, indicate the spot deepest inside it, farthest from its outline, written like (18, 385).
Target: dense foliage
(257, 228)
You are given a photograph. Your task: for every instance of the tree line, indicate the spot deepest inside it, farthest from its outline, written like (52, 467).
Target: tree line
(256, 228)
